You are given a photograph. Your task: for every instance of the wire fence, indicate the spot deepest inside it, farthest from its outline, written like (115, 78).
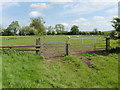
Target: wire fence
(60, 46)
(53, 49)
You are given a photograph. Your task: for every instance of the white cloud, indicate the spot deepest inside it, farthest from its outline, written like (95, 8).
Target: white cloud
(112, 11)
(98, 17)
(86, 24)
(37, 0)
(65, 24)
(35, 14)
(100, 22)
(86, 7)
(40, 5)
(104, 0)
(79, 20)
(5, 5)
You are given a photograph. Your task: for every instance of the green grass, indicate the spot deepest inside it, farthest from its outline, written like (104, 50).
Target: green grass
(7, 40)
(26, 70)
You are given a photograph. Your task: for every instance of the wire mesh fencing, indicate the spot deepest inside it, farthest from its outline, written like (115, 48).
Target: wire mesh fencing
(53, 49)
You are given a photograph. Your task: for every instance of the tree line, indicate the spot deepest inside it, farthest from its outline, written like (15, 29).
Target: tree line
(37, 27)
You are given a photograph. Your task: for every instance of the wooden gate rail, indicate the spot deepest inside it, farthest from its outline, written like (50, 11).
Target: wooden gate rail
(13, 46)
(37, 46)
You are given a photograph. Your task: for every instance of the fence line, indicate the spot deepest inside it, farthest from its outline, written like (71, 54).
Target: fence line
(39, 45)
(54, 42)
(87, 38)
(13, 46)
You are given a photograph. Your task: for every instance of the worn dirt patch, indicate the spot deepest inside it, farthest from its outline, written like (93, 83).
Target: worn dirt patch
(52, 53)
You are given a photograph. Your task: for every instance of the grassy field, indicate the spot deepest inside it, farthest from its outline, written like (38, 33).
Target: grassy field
(27, 70)
(11, 40)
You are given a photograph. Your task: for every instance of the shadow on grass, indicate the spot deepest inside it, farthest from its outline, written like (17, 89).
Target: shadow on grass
(115, 50)
(104, 53)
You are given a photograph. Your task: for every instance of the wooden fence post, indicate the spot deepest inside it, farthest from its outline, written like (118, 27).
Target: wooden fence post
(10, 48)
(67, 48)
(38, 48)
(95, 44)
(107, 44)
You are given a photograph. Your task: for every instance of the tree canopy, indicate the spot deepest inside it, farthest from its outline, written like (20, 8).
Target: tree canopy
(59, 28)
(13, 28)
(26, 30)
(37, 27)
(38, 24)
(116, 25)
(75, 30)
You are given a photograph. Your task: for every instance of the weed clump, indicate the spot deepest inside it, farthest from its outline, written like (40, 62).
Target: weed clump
(72, 60)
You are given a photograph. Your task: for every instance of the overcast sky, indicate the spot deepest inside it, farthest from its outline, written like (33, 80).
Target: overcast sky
(87, 14)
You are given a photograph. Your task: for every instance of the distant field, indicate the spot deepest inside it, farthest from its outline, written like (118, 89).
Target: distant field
(7, 40)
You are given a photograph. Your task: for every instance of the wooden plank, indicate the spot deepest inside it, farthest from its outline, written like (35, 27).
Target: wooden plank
(27, 49)
(23, 49)
(11, 46)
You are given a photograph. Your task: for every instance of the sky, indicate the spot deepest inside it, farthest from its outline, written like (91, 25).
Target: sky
(87, 14)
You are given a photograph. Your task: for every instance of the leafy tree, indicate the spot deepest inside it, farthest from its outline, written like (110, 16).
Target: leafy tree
(74, 30)
(66, 33)
(53, 32)
(13, 28)
(27, 31)
(116, 25)
(99, 33)
(113, 34)
(24, 30)
(5, 32)
(38, 24)
(1, 31)
(87, 33)
(59, 28)
(50, 30)
(95, 31)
